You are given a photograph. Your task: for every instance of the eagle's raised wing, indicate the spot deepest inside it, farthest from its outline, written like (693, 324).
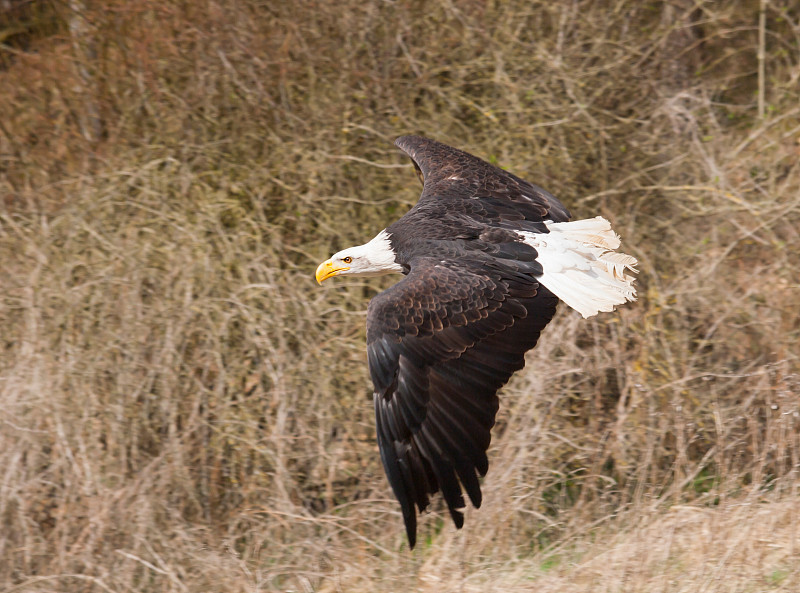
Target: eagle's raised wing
(459, 181)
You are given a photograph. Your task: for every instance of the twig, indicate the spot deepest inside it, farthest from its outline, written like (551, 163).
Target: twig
(762, 41)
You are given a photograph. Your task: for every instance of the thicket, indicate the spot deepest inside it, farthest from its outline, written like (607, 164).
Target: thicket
(183, 408)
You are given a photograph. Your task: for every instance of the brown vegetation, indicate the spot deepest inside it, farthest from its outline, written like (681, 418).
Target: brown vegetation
(183, 409)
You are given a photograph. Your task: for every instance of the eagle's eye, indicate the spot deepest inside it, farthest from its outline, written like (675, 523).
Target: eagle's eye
(347, 259)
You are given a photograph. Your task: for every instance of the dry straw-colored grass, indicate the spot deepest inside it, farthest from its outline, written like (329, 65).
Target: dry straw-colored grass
(183, 409)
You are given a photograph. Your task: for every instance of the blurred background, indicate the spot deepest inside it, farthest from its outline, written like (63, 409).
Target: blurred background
(182, 408)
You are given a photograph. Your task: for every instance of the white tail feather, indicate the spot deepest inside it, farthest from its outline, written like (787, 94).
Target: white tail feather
(581, 267)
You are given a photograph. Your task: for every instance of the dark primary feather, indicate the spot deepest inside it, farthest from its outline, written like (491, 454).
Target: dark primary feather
(442, 341)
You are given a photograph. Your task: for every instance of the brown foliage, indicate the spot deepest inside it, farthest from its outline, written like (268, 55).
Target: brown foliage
(182, 408)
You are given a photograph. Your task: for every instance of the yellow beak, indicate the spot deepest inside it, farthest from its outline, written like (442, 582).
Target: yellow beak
(327, 269)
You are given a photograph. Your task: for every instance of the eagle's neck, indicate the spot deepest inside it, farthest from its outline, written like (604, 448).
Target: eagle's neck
(380, 254)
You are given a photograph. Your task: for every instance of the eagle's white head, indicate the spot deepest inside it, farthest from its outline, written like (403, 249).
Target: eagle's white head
(375, 258)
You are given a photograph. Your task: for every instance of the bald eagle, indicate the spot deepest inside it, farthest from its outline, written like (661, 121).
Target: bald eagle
(486, 258)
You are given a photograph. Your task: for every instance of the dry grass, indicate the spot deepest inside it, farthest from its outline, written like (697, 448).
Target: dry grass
(183, 409)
